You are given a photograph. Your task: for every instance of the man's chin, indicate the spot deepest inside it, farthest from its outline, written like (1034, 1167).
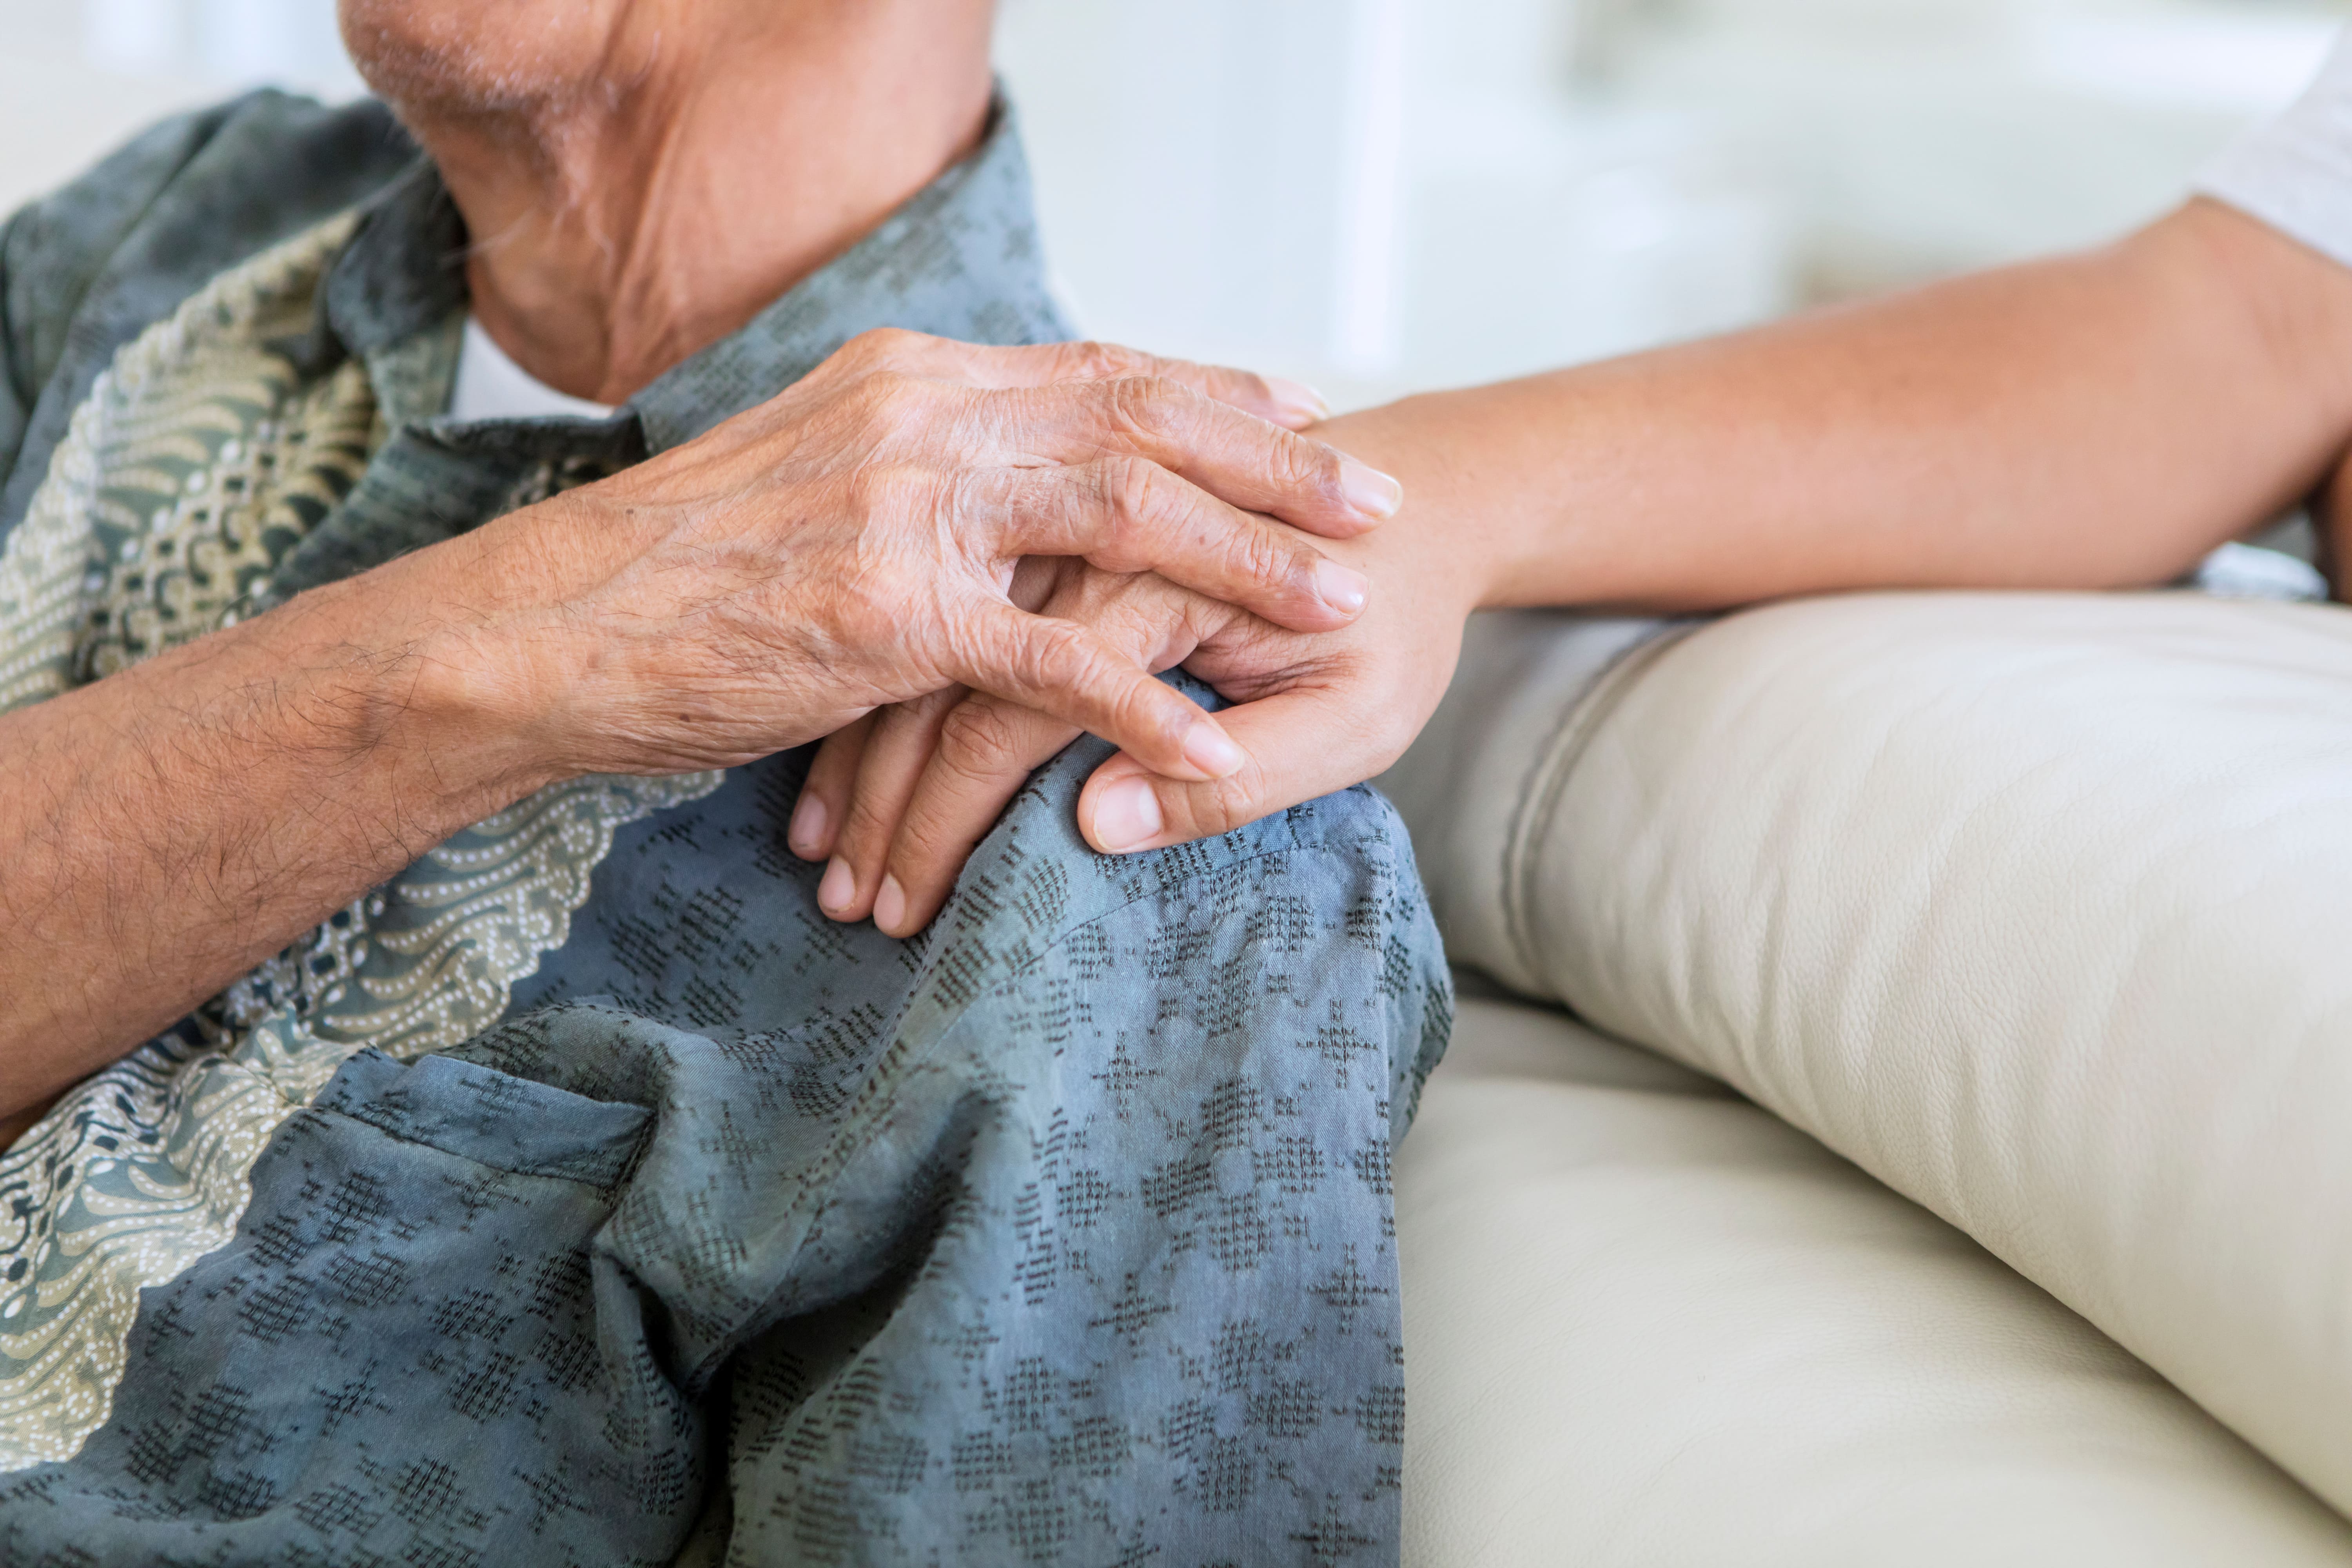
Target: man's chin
(468, 59)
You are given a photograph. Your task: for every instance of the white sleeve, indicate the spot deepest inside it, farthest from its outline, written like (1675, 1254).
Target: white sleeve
(2295, 172)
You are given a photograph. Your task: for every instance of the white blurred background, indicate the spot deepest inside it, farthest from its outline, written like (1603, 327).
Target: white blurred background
(1379, 195)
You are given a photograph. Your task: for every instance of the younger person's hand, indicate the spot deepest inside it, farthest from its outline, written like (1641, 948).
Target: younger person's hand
(899, 801)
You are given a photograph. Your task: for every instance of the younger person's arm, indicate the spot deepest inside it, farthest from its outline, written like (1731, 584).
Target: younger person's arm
(2095, 421)
(2092, 421)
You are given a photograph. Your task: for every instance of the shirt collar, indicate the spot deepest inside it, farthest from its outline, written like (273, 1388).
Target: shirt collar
(961, 259)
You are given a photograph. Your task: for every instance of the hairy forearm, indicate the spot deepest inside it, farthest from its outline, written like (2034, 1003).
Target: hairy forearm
(844, 545)
(166, 828)
(2091, 421)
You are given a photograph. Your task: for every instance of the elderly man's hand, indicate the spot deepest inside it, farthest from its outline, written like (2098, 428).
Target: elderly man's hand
(851, 543)
(847, 544)
(899, 800)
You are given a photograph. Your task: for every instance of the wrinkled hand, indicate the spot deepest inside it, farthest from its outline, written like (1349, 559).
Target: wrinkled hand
(899, 800)
(851, 543)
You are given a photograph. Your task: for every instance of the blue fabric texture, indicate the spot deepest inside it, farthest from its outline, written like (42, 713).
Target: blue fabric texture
(1061, 1234)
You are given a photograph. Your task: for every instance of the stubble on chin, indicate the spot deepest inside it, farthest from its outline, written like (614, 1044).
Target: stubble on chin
(461, 60)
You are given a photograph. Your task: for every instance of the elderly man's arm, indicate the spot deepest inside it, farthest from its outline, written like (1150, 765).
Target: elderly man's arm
(846, 545)
(2093, 421)
(166, 828)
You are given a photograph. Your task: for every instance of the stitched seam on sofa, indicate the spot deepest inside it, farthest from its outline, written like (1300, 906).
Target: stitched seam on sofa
(1539, 792)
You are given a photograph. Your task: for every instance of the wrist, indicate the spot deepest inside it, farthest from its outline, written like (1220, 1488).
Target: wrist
(517, 657)
(1465, 556)
(402, 676)
(465, 704)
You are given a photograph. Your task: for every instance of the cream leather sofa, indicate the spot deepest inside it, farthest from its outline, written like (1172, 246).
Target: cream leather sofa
(1984, 1194)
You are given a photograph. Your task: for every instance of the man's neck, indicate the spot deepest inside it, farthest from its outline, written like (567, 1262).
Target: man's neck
(616, 232)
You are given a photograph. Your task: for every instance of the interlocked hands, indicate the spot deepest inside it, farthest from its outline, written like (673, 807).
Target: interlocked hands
(853, 544)
(897, 801)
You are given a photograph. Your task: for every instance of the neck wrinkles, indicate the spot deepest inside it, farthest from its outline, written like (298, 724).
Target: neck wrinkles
(643, 213)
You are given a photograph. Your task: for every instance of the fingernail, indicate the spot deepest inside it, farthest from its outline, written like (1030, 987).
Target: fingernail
(806, 833)
(1339, 586)
(839, 886)
(1296, 398)
(1213, 752)
(889, 904)
(1369, 490)
(1126, 815)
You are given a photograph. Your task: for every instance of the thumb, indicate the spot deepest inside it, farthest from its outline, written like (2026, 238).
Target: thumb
(1299, 744)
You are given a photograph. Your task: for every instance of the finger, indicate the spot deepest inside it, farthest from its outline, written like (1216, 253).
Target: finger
(987, 749)
(1128, 514)
(1080, 677)
(903, 739)
(1300, 744)
(1241, 459)
(816, 816)
(1276, 399)
(1036, 578)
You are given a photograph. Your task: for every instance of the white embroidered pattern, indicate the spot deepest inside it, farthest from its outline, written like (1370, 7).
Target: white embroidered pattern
(197, 457)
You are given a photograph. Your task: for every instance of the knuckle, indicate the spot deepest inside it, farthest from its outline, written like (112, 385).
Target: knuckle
(927, 837)
(982, 740)
(1095, 361)
(936, 837)
(1145, 405)
(1136, 497)
(1263, 558)
(1056, 653)
(1133, 625)
(888, 396)
(863, 825)
(1303, 465)
(968, 507)
(890, 408)
(1229, 805)
(1141, 715)
(1220, 805)
(879, 346)
(1069, 667)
